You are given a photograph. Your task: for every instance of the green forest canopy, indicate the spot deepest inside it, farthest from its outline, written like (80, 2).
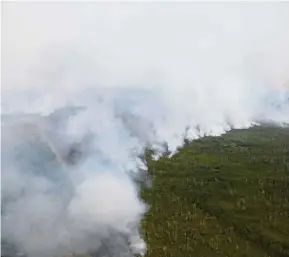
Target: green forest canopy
(221, 196)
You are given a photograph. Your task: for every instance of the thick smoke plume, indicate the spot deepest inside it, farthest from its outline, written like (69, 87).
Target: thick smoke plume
(86, 87)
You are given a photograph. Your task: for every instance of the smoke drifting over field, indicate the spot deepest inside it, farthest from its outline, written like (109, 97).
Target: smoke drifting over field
(91, 85)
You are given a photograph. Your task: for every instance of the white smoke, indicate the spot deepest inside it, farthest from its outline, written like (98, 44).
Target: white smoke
(144, 74)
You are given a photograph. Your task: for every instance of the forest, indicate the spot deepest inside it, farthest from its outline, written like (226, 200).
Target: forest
(221, 196)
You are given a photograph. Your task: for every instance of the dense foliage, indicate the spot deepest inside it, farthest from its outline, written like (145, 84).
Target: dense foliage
(221, 196)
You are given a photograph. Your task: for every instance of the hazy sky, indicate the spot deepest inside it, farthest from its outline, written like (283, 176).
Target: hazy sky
(145, 73)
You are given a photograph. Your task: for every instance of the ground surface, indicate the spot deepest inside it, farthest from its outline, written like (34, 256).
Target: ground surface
(221, 196)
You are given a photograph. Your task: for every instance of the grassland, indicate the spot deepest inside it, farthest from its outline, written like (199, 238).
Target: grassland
(221, 196)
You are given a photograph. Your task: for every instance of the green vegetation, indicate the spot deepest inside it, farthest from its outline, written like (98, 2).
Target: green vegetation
(221, 196)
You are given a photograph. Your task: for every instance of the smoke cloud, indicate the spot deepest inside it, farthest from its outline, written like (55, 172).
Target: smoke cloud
(86, 87)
